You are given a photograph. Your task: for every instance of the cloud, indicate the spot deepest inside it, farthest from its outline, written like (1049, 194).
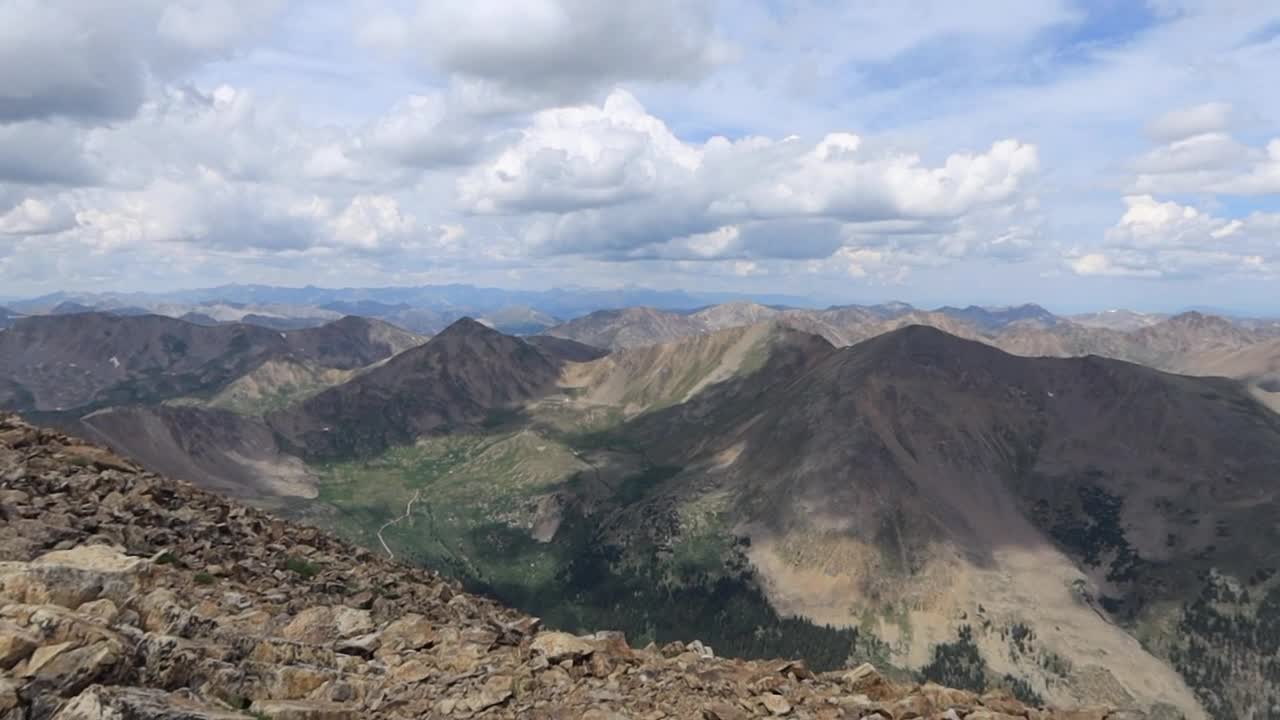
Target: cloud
(206, 209)
(1206, 118)
(1199, 155)
(44, 153)
(215, 213)
(581, 157)
(1157, 239)
(614, 180)
(489, 141)
(425, 131)
(1262, 177)
(1204, 152)
(36, 217)
(1104, 265)
(1209, 163)
(241, 137)
(370, 222)
(94, 61)
(553, 50)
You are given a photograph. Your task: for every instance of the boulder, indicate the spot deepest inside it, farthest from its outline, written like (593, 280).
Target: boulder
(323, 625)
(407, 633)
(558, 646)
(63, 670)
(865, 679)
(125, 703)
(70, 578)
(775, 704)
(495, 690)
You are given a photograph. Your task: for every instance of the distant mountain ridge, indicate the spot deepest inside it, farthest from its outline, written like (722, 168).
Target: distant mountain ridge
(629, 327)
(1028, 329)
(7, 317)
(454, 298)
(87, 360)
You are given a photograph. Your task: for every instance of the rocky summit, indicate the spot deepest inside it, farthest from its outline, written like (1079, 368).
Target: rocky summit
(126, 595)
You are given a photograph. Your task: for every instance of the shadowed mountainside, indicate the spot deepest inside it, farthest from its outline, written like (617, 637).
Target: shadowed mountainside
(458, 378)
(565, 350)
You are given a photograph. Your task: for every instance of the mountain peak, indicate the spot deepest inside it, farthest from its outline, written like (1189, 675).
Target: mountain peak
(353, 322)
(914, 344)
(467, 327)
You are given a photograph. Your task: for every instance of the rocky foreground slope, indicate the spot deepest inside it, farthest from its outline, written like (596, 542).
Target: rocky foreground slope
(126, 595)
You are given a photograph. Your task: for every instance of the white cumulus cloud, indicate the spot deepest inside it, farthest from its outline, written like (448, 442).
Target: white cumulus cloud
(615, 180)
(1156, 238)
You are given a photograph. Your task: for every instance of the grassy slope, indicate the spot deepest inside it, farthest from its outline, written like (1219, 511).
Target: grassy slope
(478, 497)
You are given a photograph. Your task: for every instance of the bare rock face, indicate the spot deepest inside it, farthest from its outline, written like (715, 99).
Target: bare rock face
(125, 596)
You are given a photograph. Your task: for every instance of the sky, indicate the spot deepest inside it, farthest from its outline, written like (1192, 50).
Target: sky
(1083, 155)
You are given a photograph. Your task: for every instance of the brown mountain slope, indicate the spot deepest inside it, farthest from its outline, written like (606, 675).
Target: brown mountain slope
(1181, 343)
(629, 327)
(459, 378)
(215, 449)
(351, 342)
(1171, 343)
(1258, 361)
(126, 595)
(641, 379)
(921, 477)
(737, 314)
(1258, 365)
(840, 325)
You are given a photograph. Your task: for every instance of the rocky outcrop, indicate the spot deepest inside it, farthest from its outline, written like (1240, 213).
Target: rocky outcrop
(124, 595)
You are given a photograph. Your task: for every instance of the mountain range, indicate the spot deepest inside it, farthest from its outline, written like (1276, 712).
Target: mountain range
(85, 360)
(921, 489)
(1191, 342)
(429, 309)
(423, 309)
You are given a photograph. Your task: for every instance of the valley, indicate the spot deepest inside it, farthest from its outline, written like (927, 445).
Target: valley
(1064, 528)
